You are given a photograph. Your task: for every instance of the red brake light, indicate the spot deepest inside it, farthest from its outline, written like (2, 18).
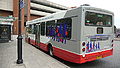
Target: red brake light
(83, 43)
(83, 49)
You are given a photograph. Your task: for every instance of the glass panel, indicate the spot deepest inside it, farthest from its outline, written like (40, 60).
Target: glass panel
(50, 28)
(97, 19)
(43, 28)
(63, 28)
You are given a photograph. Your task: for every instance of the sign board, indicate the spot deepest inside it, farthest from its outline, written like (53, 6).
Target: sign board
(7, 19)
(21, 4)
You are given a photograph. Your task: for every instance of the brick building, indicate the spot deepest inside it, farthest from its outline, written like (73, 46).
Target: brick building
(33, 9)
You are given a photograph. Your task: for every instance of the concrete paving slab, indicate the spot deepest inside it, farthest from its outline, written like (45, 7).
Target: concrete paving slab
(14, 65)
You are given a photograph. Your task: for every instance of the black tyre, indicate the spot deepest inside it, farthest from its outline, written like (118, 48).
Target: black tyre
(51, 51)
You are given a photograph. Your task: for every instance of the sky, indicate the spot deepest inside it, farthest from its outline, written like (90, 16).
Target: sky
(111, 5)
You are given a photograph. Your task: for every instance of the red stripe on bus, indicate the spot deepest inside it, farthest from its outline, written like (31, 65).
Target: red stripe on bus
(66, 55)
(43, 46)
(76, 58)
(72, 57)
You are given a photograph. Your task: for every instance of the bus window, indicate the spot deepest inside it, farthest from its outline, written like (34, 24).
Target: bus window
(63, 28)
(43, 28)
(50, 28)
(33, 29)
(97, 19)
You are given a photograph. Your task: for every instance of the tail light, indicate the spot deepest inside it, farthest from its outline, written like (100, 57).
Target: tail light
(83, 43)
(83, 49)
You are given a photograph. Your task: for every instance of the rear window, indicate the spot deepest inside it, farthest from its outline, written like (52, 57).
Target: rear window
(98, 19)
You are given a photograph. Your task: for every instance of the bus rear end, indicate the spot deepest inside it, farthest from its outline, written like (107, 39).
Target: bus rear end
(96, 34)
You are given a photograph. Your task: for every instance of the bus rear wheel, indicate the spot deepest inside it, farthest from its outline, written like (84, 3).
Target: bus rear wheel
(51, 51)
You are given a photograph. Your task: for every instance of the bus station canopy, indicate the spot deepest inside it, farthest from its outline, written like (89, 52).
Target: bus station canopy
(7, 19)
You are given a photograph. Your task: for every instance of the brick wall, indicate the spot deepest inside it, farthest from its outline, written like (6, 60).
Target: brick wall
(15, 14)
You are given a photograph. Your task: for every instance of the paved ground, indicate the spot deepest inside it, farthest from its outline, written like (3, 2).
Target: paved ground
(33, 58)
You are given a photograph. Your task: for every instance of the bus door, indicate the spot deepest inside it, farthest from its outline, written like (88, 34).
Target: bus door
(37, 34)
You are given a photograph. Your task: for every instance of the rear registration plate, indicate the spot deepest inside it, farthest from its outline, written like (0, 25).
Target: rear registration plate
(98, 57)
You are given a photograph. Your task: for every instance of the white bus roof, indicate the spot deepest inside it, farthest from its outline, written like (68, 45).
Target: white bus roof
(53, 16)
(61, 14)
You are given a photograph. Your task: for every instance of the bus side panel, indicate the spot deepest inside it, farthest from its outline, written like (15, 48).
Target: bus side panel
(40, 45)
(72, 45)
(66, 55)
(43, 46)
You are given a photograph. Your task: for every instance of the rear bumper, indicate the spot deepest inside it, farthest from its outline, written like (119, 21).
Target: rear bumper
(94, 56)
(75, 58)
